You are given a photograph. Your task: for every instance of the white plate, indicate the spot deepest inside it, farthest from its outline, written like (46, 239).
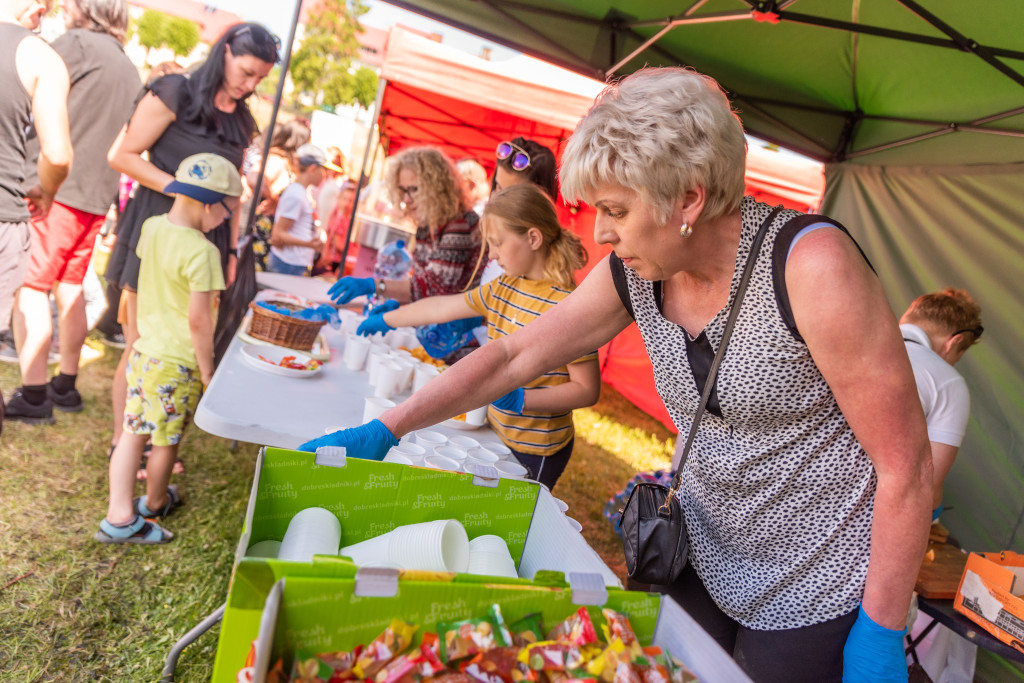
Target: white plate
(320, 350)
(252, 353)
(461, 424)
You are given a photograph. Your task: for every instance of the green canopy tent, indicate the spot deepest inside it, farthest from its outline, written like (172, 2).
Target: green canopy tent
(917, 111)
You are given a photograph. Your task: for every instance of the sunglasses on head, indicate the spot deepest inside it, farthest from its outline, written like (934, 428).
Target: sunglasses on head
(520, 160)
(259, 36)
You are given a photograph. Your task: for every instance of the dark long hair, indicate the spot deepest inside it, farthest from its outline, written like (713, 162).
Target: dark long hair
(542, 170)
(244, 39)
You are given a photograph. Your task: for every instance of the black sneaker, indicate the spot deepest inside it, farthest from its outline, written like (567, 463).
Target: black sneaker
(68, 402)
(21, 410)
(114, 340)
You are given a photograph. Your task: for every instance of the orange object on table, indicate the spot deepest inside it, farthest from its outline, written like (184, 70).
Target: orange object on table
(940, 573)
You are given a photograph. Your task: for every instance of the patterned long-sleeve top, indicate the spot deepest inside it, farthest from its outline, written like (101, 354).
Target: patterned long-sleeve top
(443, 263)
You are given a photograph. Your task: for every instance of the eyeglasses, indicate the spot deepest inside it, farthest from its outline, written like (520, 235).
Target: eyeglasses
(520, 161)
(227, 209)
(409, 192)
(976, 331)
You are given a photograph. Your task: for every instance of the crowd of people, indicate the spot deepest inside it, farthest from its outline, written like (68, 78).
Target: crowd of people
(821, 457)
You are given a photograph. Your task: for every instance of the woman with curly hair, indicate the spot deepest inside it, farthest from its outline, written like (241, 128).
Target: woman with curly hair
(426, 184)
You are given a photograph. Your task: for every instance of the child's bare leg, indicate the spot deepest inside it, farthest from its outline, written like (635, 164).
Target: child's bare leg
(123, 464)
(158, 475)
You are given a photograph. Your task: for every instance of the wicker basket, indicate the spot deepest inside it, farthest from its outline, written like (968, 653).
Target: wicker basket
(283, 330)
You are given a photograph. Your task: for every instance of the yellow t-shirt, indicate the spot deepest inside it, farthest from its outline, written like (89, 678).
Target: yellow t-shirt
(508, 303)
(176, 261)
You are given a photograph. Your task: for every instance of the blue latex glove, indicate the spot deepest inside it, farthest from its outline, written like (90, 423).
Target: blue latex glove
(874, 653)
(936, 513)
(383, 307)
(512, 401)
(370, 441)
(348, 288)
(372, 325)
(321, 313)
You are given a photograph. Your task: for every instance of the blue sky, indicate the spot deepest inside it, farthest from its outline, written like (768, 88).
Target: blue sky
(277, 16)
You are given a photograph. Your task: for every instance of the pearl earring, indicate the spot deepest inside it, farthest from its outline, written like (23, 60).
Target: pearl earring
(685, 230)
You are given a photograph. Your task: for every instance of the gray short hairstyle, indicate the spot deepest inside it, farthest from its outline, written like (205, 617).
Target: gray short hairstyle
(659, 132)
(104, 16)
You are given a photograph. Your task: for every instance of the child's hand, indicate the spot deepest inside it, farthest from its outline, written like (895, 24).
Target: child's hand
(512, 402)
(372, 325)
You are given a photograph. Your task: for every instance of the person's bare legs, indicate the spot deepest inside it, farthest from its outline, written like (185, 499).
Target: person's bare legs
(123, 464)
(119, 388)
(73, 325)
(33, 333)
(158, 475)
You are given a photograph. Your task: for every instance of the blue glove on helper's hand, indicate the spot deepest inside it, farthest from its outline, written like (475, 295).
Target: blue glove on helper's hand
(383, 307)
(372, 325)
(370, 441)
(512, 402)
(348, 288)
(873, 653)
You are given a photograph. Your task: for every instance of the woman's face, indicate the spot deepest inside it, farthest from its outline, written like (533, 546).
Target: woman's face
(504, 178)
(242, 74)
(408, 189)
(646, 245)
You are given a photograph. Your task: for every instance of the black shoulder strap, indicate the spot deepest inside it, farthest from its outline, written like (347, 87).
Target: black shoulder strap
(780, 253)
(619, 278)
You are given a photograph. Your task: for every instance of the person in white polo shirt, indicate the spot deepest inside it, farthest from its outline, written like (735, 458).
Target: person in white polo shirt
(938, 328)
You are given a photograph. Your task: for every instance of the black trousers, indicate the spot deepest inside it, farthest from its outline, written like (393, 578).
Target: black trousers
(546, 468)
(811, 653)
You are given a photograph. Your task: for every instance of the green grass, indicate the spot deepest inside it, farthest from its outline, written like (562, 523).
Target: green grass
(72, 609)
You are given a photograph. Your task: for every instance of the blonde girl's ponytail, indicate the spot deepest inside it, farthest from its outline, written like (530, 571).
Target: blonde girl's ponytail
(524, 206)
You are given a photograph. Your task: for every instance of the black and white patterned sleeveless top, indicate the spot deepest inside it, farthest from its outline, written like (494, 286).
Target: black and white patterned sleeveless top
(777, 491)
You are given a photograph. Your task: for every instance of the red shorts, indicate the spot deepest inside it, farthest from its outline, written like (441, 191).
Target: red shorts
(62, 245)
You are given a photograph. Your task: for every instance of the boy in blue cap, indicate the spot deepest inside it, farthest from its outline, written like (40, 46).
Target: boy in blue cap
(172, 360)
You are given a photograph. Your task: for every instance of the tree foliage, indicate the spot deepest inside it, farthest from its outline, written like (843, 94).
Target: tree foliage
(155, 29)
(322, 66)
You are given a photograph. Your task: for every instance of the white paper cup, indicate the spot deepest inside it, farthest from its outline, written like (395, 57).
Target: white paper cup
(268, 549)
(312, 531)
(574, 524)
(407, 367)
(350, 321)
(466, 443)
(371, 551)
(562, 505)
(356, 348)
(452, 453)
(441, 545)
(374, 407)
(411, 340)
(491, 564)
(477, 417)
(511, 470)
(375, 358)
(411, 451)
(489, 543)
(424, 373)
(439, 462)
(479, 456)
(430, 439)
(397, 458)
(388, 375)
(499, 449)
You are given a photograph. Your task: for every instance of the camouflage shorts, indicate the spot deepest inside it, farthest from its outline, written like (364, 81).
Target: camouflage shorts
(162, 396)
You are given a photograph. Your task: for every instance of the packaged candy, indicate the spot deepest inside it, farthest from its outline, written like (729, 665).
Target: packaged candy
(385, 647)
(617, 626)
(577, 629)
(309, 668)
(549, 655)
(470, 636)
(626, 672)
(527, 630)
(493, 666)
(502, 627)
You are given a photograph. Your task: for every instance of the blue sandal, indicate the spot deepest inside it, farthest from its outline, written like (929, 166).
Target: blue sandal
(138, 531)
(173, 502)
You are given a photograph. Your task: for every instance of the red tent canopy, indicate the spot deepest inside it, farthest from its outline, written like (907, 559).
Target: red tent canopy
(466, 105)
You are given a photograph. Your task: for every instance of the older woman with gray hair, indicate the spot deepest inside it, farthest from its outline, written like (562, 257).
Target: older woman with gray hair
(808, 487)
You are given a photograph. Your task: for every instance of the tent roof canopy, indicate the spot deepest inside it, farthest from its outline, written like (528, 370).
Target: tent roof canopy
(881, 82)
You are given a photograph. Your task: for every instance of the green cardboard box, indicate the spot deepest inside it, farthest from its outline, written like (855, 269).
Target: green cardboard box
(330, 614)
(371, 498)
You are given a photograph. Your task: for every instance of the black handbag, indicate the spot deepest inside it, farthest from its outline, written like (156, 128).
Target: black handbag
(654, 537)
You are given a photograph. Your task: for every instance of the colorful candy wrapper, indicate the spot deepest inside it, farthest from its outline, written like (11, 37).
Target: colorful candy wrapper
(527, 630)
(617, 626)
(385, 647)
(310, 668)
(550, 655)
(495, 666)
(468, 637)
(577, 629)
(626, 672)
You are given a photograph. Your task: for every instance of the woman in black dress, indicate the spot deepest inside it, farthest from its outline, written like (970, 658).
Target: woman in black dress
(177, 116)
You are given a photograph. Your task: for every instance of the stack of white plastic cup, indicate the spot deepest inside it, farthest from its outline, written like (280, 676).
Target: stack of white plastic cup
(350, 321)
(388, 376)
(269, 549)
(313, 531)
(489, 556)
(371, 551)
(396, 458)
(377, 354)
(406, 367)
(477, 417)
(356, 348)
(441, 546)
(574, 524)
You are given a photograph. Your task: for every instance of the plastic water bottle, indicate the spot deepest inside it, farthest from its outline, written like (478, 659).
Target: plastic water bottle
(441, 339)
(393, 261)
